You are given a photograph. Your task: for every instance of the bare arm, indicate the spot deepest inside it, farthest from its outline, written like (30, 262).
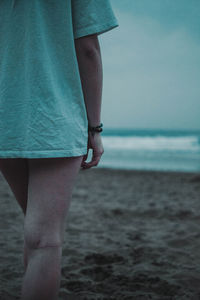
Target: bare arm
(90, 68)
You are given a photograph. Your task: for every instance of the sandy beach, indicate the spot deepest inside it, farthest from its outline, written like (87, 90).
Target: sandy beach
(129, 235)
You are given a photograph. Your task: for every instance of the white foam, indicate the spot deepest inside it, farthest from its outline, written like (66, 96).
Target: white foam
(154, 143)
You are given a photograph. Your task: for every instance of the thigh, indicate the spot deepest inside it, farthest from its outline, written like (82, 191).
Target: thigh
(51, 182)
(15, 171)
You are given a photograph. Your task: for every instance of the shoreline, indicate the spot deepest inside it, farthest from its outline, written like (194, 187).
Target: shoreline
(146, 171)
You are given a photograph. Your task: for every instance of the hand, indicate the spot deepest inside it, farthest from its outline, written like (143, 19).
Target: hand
(95, 143)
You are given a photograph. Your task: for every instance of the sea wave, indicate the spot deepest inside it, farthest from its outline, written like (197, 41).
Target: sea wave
(154, 143)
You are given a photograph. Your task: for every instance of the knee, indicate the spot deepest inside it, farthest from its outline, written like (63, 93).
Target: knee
(41, 236)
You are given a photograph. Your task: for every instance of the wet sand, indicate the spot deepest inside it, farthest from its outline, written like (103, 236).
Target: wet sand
(129, 235)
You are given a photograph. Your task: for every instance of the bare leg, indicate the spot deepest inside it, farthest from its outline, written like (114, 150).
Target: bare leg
(50, 188)
(15, 172)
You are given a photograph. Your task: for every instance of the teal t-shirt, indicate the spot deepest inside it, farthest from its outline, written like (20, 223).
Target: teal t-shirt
(42, 108)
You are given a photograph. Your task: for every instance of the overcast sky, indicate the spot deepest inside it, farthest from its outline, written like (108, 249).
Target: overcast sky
(151, 65)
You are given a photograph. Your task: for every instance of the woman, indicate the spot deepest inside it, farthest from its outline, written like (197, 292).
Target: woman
(50, 102)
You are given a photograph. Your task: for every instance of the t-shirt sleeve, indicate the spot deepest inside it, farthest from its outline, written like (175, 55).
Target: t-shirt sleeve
(92, 17)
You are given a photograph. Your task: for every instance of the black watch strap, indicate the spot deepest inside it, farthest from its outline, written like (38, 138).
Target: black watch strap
(96, 128)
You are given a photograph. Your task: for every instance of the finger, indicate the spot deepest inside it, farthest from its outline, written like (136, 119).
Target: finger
(94, 162)
(85, 156)
(90, 164)
(84, 159)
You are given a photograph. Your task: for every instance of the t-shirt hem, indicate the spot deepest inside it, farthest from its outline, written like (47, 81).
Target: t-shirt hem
(42, 154)
(95, 29)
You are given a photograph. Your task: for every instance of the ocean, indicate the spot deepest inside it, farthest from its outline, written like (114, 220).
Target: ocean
(147, 149)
